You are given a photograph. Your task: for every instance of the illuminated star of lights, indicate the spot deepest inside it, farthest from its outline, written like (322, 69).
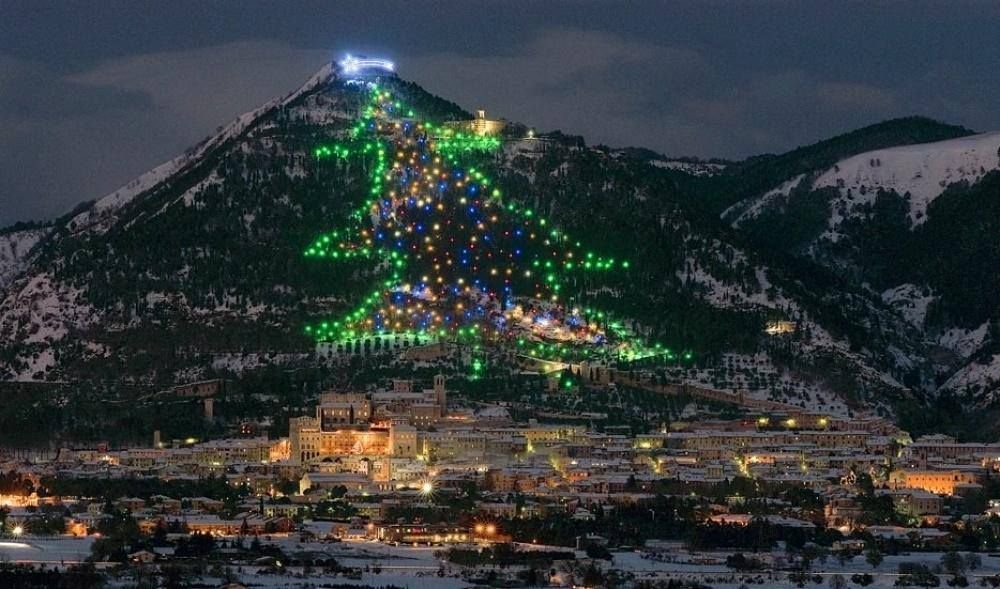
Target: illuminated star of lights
(353, 65)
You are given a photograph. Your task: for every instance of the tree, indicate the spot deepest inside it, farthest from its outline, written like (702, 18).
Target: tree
(593, 576)
(953, 563)
(287, 487)
(595, 550)
(873, 556)
(175, 576)
(740, 562)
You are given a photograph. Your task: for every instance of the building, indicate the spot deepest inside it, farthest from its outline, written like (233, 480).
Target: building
(327, 481)
(201, 389)
(423, 408)
(337, 409)
(422, 533)
(479, 125)
(942, 482)
(310, 443)
(939, 448)
(780, 327)
(916, 502)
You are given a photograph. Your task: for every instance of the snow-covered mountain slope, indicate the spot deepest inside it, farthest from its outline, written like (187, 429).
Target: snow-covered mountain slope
(45, 307)
(901, 223)
(99, 216)
(758, 291)
(201, 257)
(695, 168)
(921, 171)
(15, 251)
(733, 281)
(980, 378)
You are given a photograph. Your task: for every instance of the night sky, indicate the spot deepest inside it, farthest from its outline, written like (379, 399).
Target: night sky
(94, 93)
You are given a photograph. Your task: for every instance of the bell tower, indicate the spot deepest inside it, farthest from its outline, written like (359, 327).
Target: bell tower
(440, 395)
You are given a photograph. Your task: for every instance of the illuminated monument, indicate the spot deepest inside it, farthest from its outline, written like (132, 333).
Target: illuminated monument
(362, 67)
(451, 259)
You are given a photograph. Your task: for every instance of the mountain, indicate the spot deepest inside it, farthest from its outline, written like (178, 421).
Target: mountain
(17, 244)
(195, 269)
(919, 226)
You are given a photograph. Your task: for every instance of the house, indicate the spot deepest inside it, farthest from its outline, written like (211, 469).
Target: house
(205, 504)
(142, 557)
(130, 503)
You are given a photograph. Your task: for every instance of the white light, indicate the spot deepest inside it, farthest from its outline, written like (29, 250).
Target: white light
(17, 530)
(354, 65)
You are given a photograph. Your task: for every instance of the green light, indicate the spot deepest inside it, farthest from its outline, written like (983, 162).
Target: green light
(365, 139)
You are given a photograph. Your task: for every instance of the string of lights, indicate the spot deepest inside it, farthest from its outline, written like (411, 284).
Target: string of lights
(457, 261)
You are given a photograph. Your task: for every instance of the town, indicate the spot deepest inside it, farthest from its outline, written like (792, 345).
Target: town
(421, 471)
(391, 321)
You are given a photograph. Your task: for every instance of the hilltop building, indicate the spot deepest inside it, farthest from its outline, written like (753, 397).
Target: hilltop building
(479, 125)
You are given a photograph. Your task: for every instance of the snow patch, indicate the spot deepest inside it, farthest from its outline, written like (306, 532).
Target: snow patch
(964, 342)
(101, 215)
(751, 209)
(976, 376)
(911, 301)
(15, 251)
(924, 170)
(693, 168)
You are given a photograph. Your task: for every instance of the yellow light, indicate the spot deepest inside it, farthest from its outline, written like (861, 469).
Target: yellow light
(17, 530)
(427, 488)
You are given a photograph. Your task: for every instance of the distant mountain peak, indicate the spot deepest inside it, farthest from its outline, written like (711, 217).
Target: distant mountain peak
(195, 268)
(96, 218)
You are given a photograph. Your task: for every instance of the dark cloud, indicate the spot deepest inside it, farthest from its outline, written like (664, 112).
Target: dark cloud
(93, 94)
(30, 91)
(70, 138)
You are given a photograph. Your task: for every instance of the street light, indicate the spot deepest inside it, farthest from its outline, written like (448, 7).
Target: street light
(17, 530)
(427, 488)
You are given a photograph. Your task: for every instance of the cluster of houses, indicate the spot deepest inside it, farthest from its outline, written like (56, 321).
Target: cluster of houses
(405, 446)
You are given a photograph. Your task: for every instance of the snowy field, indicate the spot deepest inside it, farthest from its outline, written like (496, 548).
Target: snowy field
(418, 567)
(45, 550)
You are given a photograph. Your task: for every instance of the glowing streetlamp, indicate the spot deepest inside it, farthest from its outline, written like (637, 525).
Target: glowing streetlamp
(17, 530)
(426, 488)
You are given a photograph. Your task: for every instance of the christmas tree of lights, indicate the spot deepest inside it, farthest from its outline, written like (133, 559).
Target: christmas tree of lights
(455, 259)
